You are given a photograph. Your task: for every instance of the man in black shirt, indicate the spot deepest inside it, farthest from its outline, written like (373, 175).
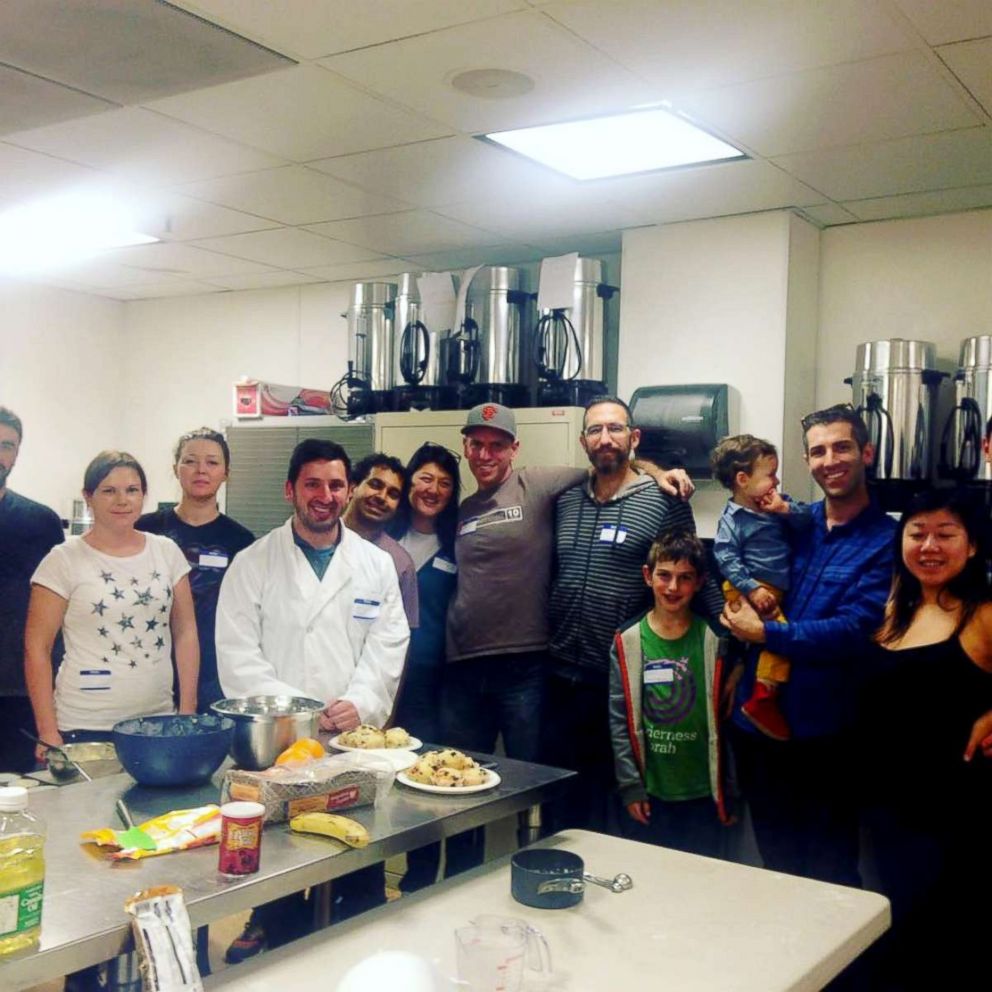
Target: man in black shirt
(28, 531)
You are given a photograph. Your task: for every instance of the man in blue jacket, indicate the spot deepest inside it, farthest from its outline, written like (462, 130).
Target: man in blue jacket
(800, 791)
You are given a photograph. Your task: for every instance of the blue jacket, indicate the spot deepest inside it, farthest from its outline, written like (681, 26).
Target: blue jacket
(840, 581)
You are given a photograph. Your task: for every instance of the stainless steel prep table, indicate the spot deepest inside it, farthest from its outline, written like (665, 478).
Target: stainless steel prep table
(84, 920)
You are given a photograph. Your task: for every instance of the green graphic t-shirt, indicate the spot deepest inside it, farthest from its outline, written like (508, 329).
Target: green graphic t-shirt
(674, 714)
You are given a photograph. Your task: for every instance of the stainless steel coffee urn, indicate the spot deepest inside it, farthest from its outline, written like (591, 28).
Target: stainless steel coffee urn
(569, 343)
(484, 354)
(895, 386)
(417, 355)
(961, 455)
(370, 347)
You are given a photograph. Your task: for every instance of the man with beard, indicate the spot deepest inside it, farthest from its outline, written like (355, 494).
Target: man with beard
(312, 609)
(28, 531)
(378, 480)
(604, 528)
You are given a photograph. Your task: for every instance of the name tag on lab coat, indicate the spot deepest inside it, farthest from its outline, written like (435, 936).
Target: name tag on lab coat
(365, 609)
(656, 674)
(443, 565)
(213, 561)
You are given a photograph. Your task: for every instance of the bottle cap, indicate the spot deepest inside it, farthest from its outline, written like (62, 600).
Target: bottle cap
(13, 798)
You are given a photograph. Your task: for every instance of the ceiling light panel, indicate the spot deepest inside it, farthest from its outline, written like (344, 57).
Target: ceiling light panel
(619, 145)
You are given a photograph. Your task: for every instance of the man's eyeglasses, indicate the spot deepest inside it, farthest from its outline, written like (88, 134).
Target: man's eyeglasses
(614, 430)
(427, 445)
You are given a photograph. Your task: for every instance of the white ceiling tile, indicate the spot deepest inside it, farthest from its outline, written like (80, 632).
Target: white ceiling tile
(28, 174)
(463, 258)
(360, 271)
(530, 218)
(288, 248)
(711, 191)
(264, 280)
(299, 114)
(906, 165)
(821, 108)
(686, 45)
(144, 147)
(415, 231)
(571, 78)
(292, 194)
(922, 204)
(182, 261)
(28, 101)
(101, 272)
(602, 243)
(152, 291)
(828, 214)
(949, 20)
(312, 28)
(174, 217)
(971, 62)
(448, 170)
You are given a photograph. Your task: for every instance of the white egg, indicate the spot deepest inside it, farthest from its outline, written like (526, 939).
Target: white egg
(397, 971)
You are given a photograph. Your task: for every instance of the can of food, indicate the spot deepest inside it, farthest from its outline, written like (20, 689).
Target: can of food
(240, 837)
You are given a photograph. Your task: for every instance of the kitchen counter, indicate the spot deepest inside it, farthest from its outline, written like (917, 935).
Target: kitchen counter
(689, 923)
(84, 920)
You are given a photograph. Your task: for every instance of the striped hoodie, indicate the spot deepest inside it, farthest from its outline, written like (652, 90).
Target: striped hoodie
(598, 586)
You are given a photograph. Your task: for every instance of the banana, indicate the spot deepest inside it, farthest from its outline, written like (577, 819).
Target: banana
(342, 828)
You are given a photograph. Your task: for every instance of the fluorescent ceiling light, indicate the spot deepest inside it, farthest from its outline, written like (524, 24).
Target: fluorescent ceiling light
(58, 231)
(637, 141)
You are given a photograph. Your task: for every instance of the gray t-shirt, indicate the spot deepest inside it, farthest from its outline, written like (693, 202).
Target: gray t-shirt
(504, 548)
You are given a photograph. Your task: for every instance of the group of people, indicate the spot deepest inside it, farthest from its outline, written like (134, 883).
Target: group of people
(571, 612)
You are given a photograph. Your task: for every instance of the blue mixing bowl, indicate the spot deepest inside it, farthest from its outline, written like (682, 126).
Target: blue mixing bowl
(173, 750)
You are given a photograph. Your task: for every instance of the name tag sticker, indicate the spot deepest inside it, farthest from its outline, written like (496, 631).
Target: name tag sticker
(94, 679)
(608, 534)
(443, 565)
(365, 609)
(621, 535)
(658, 676)
(469, 527)
(213, 561)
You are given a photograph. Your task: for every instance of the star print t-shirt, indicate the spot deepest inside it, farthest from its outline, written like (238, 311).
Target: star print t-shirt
(118, 643)
(673, 712)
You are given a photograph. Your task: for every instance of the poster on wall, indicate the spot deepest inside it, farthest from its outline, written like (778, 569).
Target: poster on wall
(253, 399)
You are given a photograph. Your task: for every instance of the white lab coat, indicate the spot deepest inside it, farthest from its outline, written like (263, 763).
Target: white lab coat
(282, 631)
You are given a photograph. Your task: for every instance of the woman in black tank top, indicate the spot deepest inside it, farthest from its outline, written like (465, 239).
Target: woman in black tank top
(927, 680)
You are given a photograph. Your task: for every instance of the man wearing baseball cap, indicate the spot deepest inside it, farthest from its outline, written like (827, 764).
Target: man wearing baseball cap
(497, 636)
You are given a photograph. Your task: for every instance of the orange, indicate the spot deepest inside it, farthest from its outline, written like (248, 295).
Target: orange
(300, 752)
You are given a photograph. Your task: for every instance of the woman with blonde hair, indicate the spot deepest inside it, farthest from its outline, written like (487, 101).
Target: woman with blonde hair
(122, 599)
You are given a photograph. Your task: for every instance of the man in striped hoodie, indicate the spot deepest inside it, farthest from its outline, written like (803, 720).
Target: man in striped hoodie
(604, 529)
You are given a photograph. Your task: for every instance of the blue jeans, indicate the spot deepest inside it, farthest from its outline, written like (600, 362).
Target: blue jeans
(480, 699)
(484, 697)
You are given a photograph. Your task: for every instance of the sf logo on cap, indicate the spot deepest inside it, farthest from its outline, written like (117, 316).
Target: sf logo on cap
(488, 412)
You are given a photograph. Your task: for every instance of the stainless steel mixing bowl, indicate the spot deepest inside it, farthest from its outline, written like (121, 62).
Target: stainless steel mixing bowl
(264, 726)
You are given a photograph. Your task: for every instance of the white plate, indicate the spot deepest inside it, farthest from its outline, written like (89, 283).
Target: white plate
(444, 790)
(412, 746)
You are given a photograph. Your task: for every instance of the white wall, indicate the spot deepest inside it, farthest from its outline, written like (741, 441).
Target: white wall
(60, 373)
(928, 278)
(712, 301)
(184, 354)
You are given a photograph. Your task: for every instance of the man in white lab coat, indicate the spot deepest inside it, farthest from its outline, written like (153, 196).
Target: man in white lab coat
(312, 609)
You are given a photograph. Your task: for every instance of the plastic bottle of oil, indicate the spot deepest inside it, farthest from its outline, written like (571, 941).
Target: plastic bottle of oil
(22, 872)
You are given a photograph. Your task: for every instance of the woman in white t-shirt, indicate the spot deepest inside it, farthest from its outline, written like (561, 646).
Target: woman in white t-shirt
(121, 599)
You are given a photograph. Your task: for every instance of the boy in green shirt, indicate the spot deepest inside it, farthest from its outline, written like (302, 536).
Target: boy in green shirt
(665, 692)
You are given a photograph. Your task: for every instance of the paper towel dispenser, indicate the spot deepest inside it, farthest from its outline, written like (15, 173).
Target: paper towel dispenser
(680, 425)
